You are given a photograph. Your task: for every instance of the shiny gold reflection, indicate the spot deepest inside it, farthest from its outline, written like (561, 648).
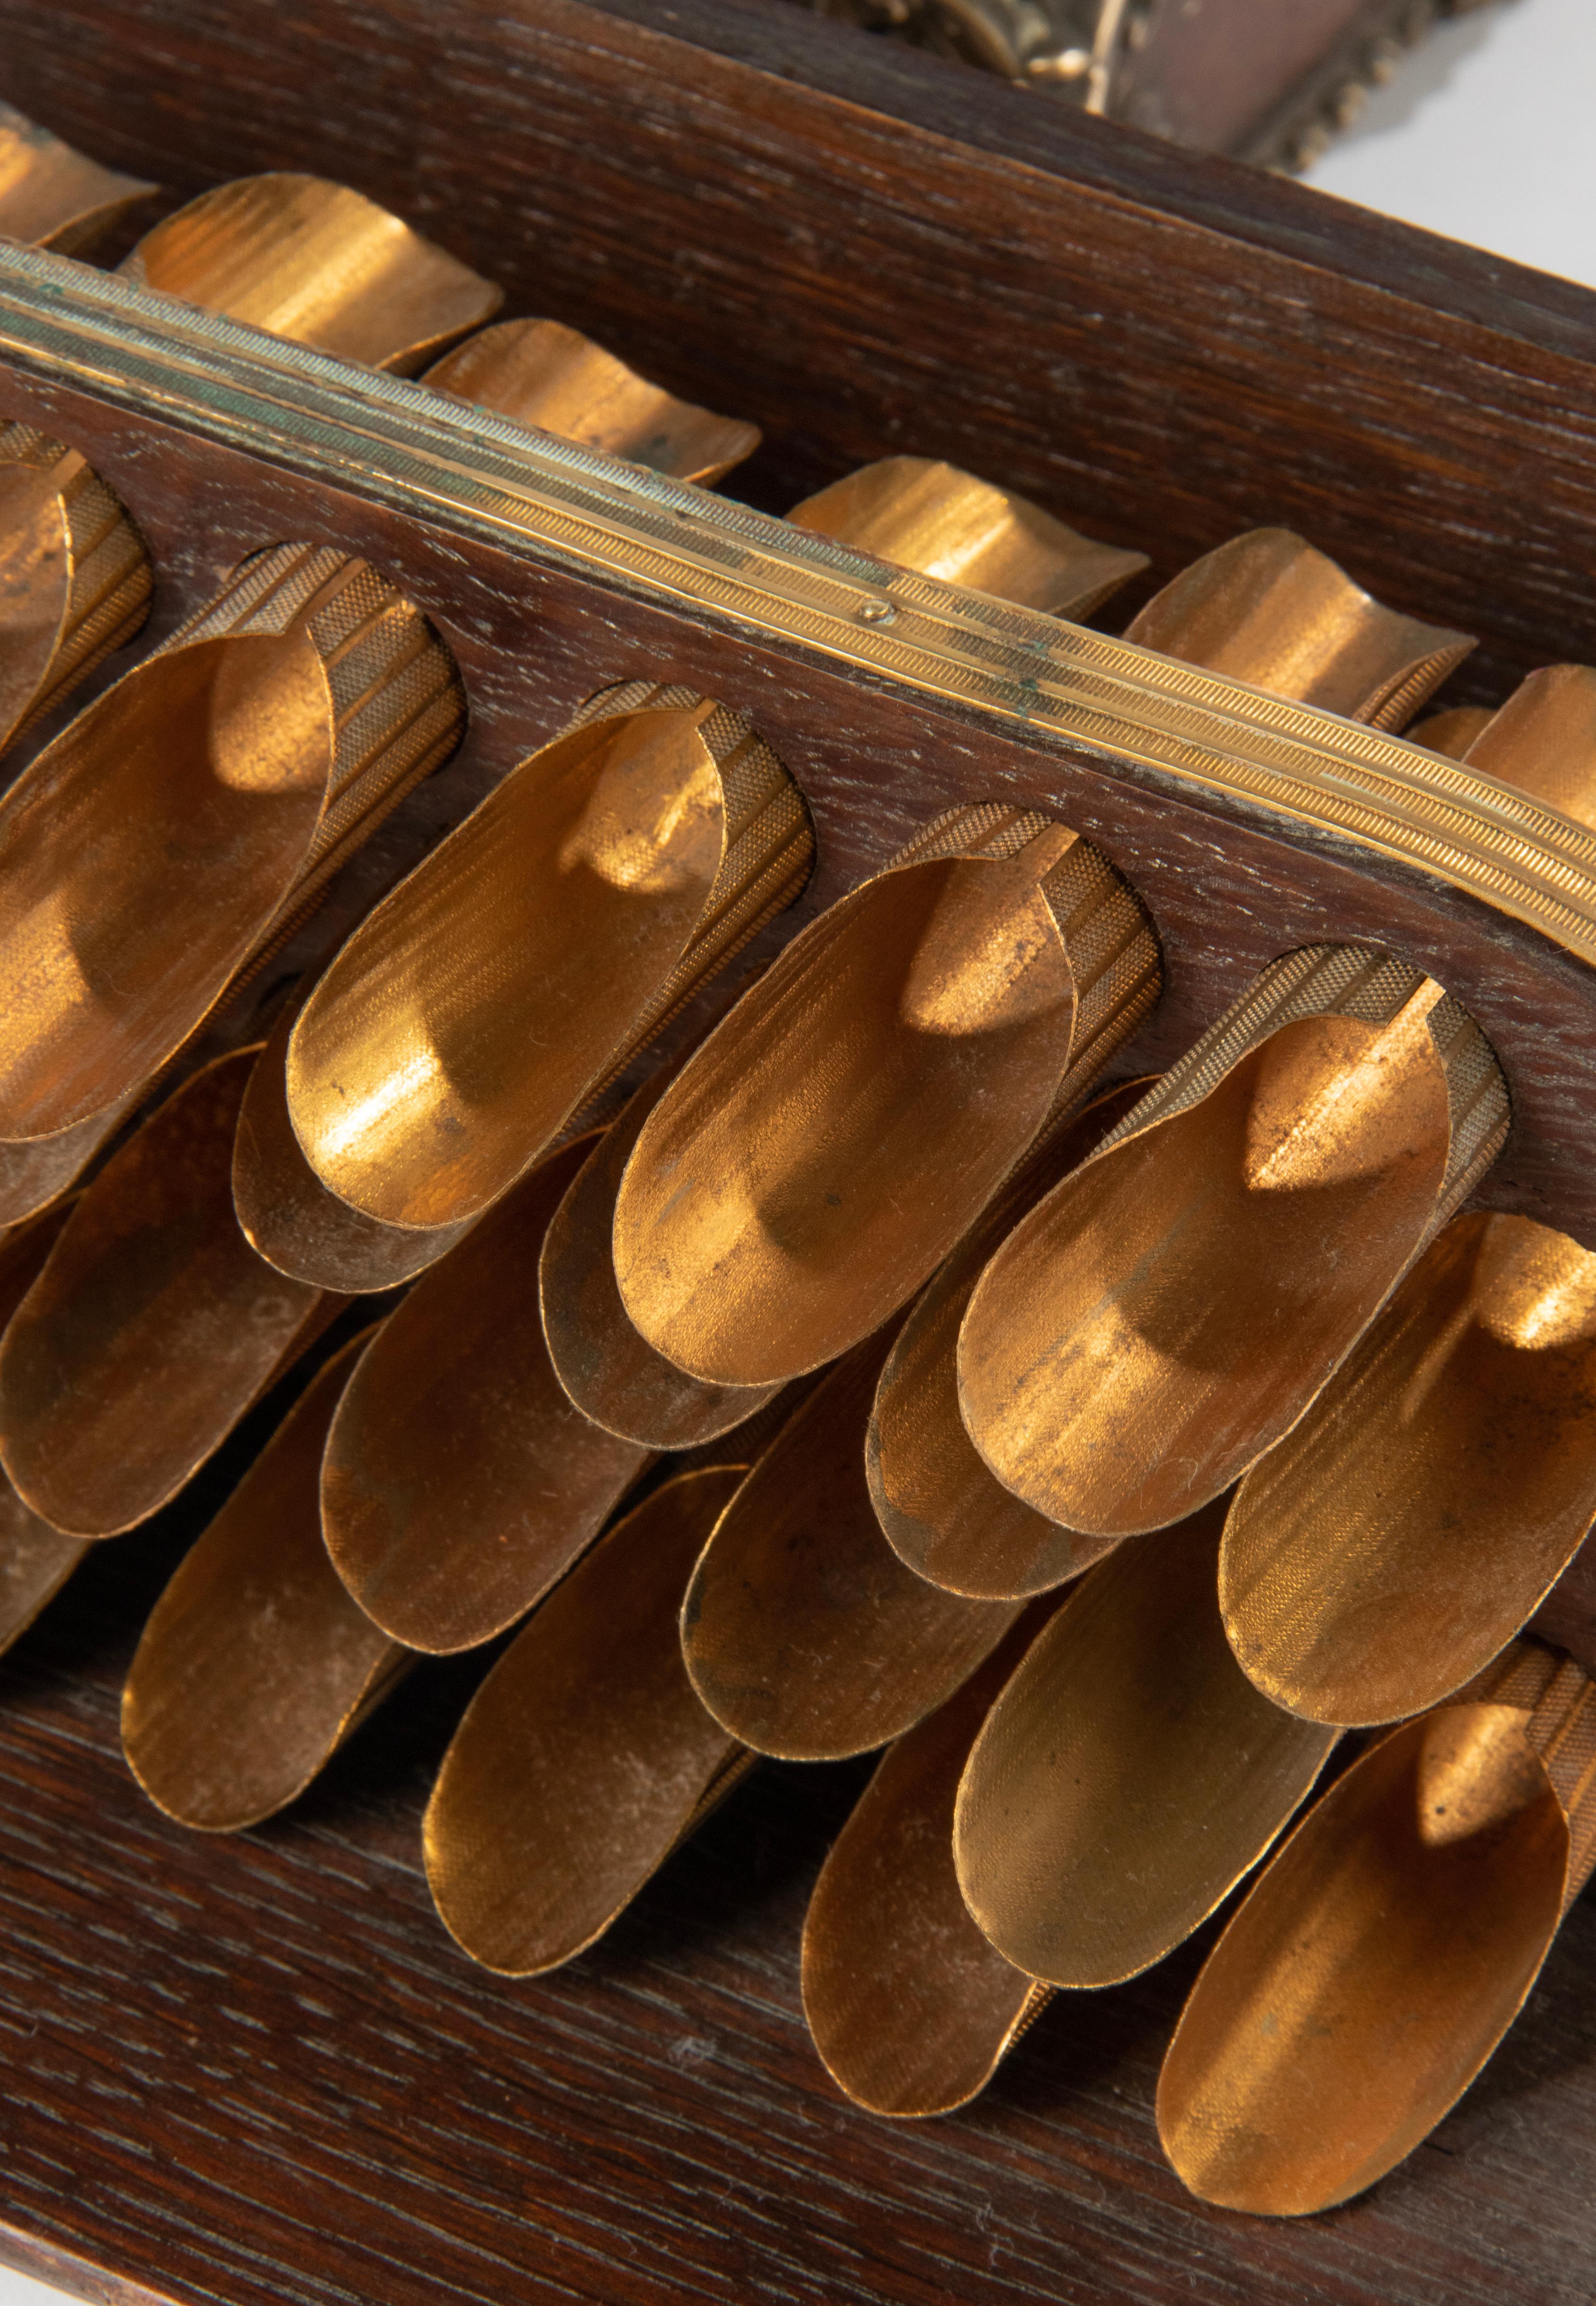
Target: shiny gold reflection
(945, 522)
(611, 1373)
(549, 377)
(1267, 608)
(75, 576)
(846, 1123)
(153, 1328)
(545, 940)
(1416, 1518)
(1378, 1960)
(1129, 1774)
(52, 197)
(910, 2007)
(287, 1213)
(1168, 1312)
(459, 1480)
(584, 1757)
(804, 1633)
(167, 833)
(316, 263)
(1543, 741)
(943, 1512)
(255, 1664)
(1451, 732)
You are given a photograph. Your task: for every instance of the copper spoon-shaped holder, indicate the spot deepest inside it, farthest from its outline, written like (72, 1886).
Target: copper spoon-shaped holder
(1379, 1958)
(1163, 1316)
(585, 1757)
(255, 1665)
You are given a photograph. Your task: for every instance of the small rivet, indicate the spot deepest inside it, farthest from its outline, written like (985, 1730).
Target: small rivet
(876, 612)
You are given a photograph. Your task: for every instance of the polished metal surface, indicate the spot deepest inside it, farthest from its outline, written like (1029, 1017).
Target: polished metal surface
(844, 1125)
(942, 522)
(36, 1560)
(804, 1633)
(1268, 608)
(289, 1214)
(314, 262)
(459, 1482)
(1167, 1313)
(540, 944)
(255, 1664)
(161, 841)
(944, 1513)
(1129, 1774)
(52, 197)
(911, 2008)
(611, 1372)
(546, 498)
(586, 1756)
(153, 1327)
(1378, 1960)
(551, 377)
(1397, 1538)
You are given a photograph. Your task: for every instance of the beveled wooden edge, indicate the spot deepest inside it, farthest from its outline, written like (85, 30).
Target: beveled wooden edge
(553, 501)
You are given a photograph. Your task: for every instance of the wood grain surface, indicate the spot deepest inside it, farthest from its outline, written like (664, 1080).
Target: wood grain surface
(865, 249)
(255, 2069)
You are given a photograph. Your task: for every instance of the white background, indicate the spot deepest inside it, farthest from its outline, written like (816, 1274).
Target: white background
(1487, 133)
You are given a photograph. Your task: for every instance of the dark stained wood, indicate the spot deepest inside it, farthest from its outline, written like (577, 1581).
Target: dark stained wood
(866, 249)
(1229, 884)
(255, 2069)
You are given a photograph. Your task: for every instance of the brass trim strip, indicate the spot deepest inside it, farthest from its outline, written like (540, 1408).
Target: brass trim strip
(554, 502)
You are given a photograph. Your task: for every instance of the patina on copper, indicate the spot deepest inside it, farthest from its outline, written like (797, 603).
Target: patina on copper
(841, 1129)
(944, 1511)
(909, 2006)
(169, 833)
(1270, 609)
(312, 260)
(153, 1327)
(543, 374)
(610, 1370)
(1378, 1962)
(255, 1664)
(1129, 1773)
(1162, 1317)
(586, 1756)
(459, 1482)
(1416, 1518)
(543, 941)
(804, 1633)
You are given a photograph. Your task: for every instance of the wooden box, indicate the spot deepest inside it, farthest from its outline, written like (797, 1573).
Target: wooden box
(256, 2069)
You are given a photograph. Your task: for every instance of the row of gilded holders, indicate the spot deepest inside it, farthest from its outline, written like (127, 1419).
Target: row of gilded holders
(928, 1009)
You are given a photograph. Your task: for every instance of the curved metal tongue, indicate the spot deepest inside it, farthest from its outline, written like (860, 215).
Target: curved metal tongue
(584, 1758)
(1166, 1313)
(1381, 1956)
(1129, 1774)
(909, 2006)
(1413, 1520)
(255, 1664)
(1269, 609)
(53, 197)
(153, 1327)
(804, 1633)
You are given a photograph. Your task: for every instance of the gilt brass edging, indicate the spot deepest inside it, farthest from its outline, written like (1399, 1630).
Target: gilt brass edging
(392, 442)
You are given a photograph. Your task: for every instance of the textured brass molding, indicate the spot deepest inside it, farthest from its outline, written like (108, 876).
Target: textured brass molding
(555, 501)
